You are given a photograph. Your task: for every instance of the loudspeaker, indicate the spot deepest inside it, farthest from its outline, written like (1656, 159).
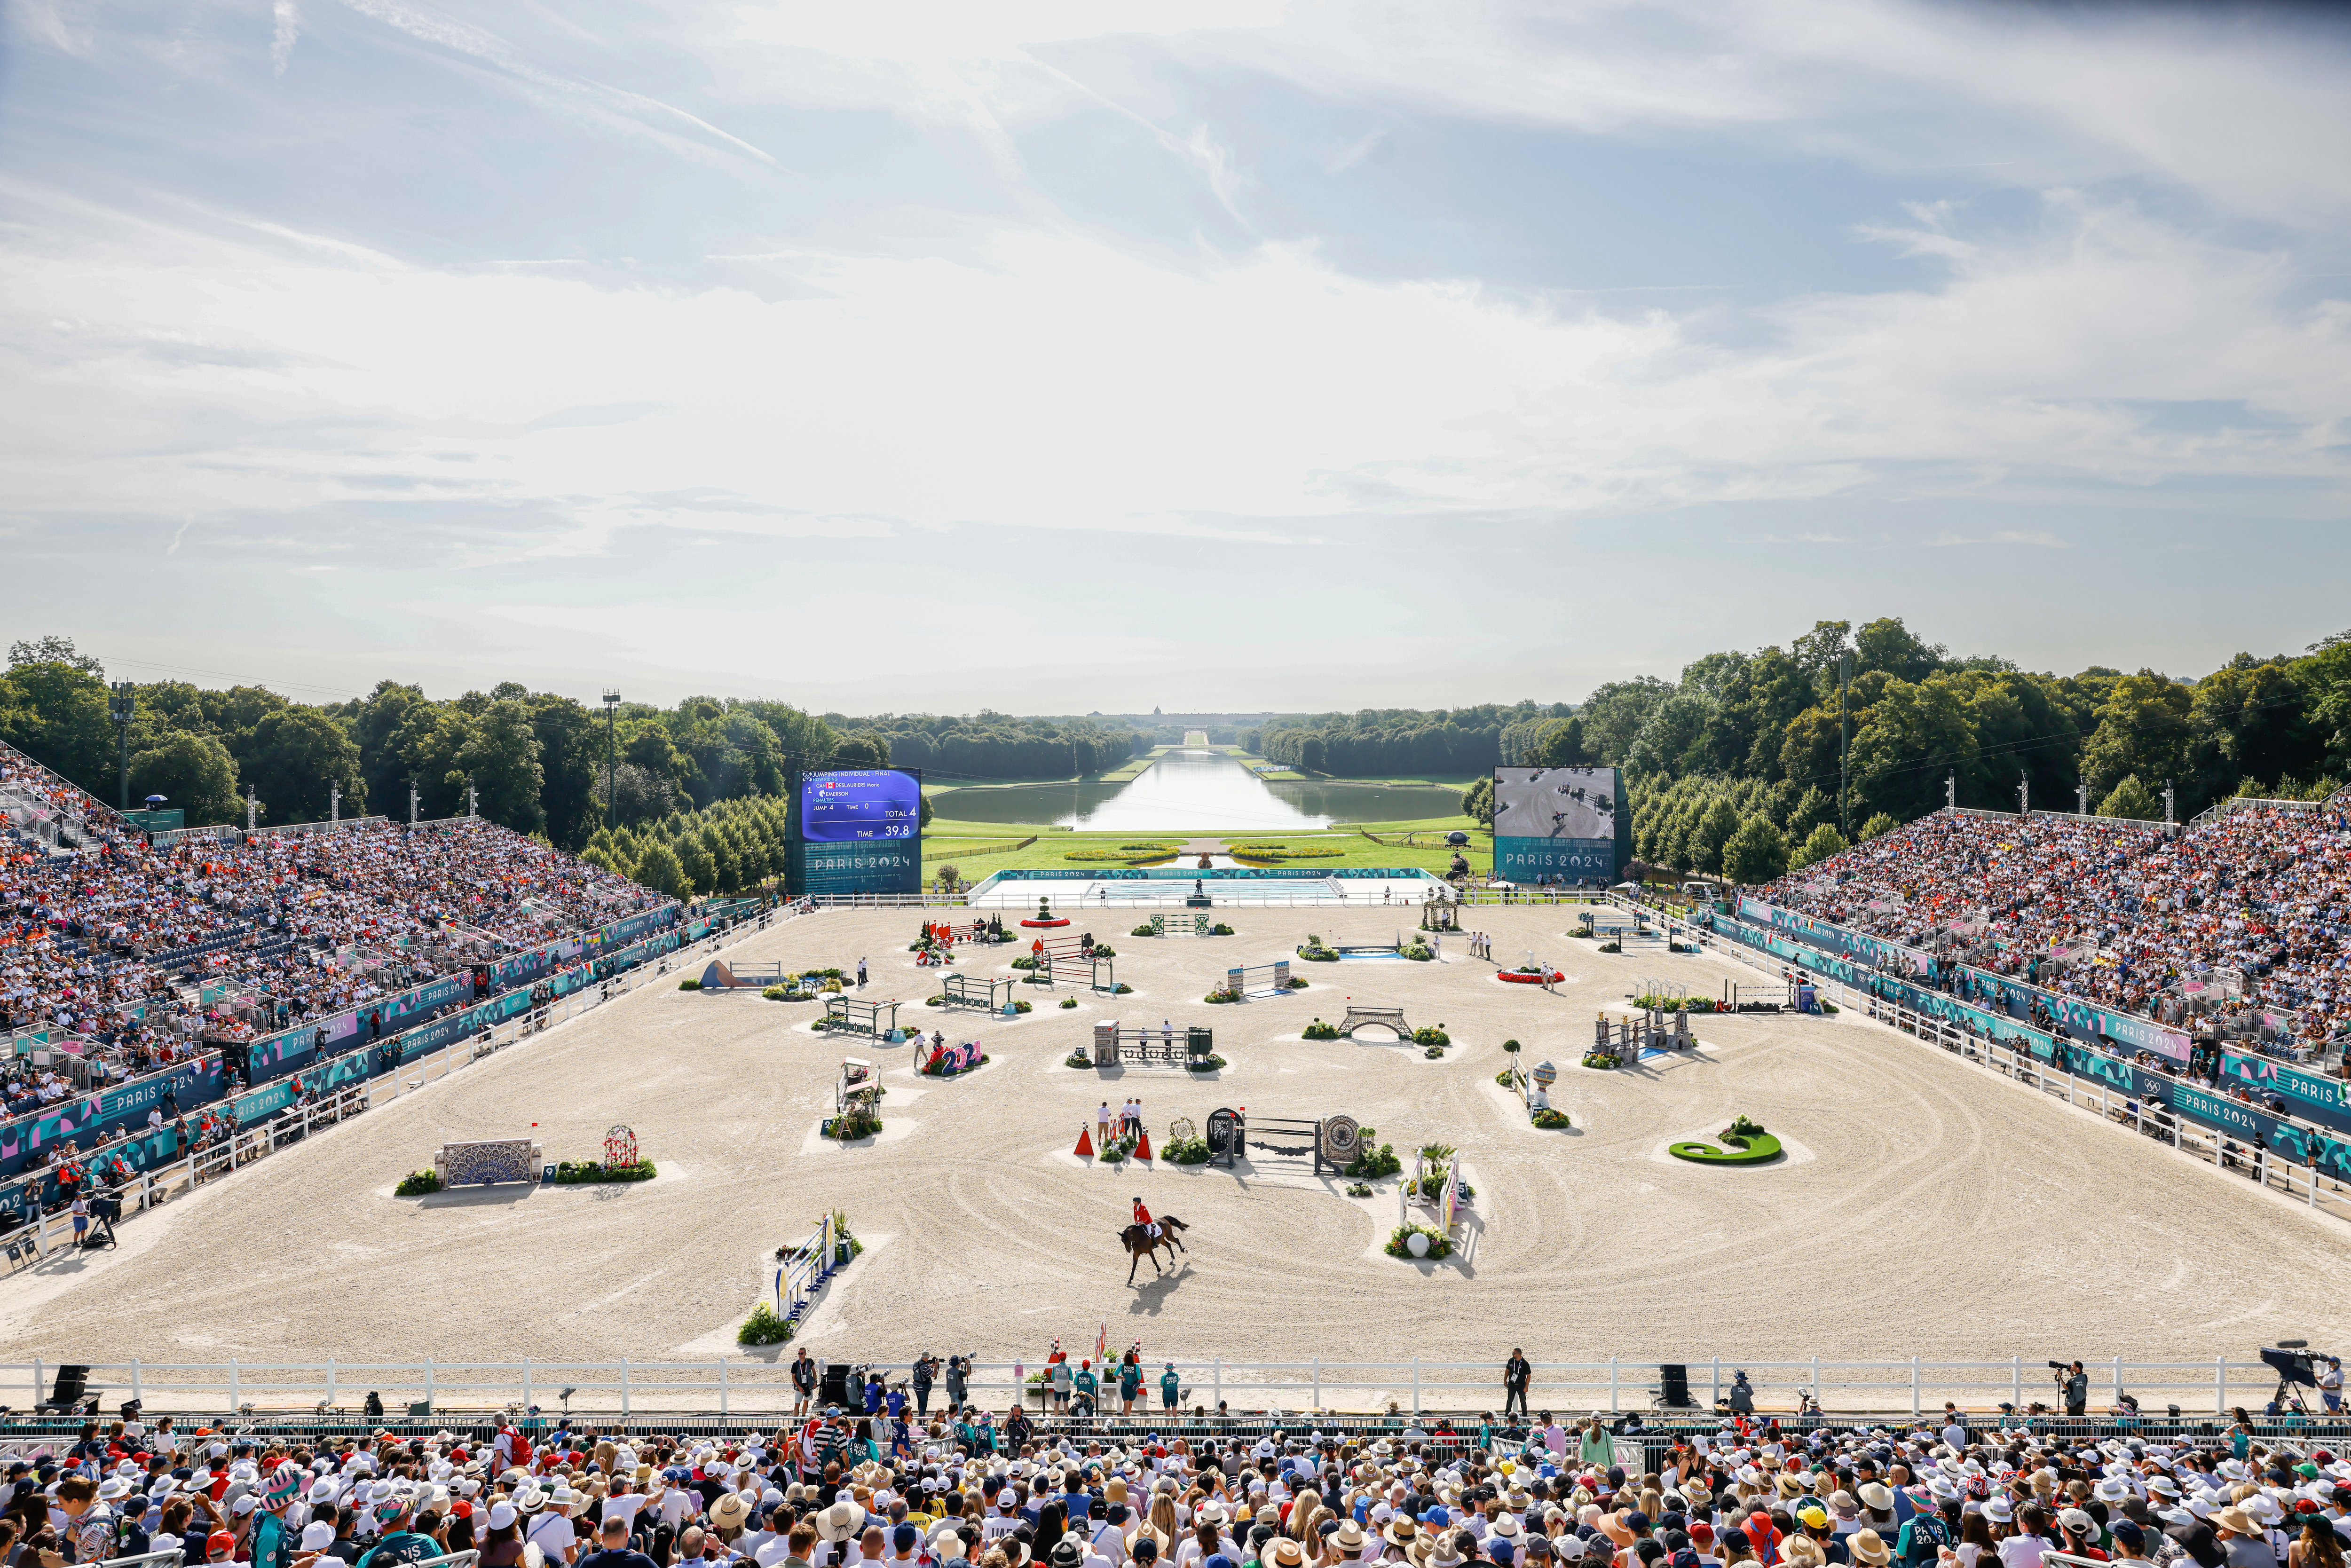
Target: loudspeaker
(832, 1384)
(1674, 1386)
(72, 1380)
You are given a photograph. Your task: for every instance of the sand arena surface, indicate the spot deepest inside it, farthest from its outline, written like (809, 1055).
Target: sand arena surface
(1926, 1207)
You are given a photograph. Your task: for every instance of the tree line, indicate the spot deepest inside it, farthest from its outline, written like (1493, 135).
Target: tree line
(1735, 767)
(537, 761)
(1379, 742)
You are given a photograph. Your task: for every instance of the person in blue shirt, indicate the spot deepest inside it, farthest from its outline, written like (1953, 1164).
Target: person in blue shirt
(896, 1400)
(873, 1393)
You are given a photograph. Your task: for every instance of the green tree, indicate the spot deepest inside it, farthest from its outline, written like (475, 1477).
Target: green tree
(570, 760)
(501, 757)
(2143, 729)
(379, 727)
(863, 750)
(1478, 802)
(2131, 799)
(1823, 841)
(701, 869)
(426, 744)
(1755, 854)
(1888, 646)
(660, 869)
(1712, 831)
(62, 721)
(1880, 823)
(1559, 744)
(194, 773)
(56, 650)
(296, 755)
(2252, 719)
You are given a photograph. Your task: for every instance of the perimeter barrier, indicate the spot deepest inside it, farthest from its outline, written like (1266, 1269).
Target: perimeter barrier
(760, 1387)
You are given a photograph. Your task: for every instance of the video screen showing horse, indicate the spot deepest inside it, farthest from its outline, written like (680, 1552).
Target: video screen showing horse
(1555, 802)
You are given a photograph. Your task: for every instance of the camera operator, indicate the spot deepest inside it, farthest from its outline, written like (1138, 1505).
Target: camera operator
(2074, 1385)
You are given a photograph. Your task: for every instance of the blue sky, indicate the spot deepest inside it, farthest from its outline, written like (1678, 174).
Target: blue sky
(1229, 354)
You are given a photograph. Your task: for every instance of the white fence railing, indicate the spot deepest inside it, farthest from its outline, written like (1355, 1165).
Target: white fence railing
(2306, 1182)
(51, 1235)
(757, 1388)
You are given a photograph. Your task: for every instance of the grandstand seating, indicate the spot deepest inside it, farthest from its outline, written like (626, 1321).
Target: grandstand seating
(2240, 923)
(131, 957)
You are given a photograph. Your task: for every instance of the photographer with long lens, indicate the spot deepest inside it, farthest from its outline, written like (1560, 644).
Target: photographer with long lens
(2072, 1386)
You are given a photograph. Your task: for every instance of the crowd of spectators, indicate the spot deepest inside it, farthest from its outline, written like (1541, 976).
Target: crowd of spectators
(842, 1489)
(132, 956)
(2242, 922)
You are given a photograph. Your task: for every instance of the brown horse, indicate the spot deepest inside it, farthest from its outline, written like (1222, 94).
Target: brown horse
(1140, 1246)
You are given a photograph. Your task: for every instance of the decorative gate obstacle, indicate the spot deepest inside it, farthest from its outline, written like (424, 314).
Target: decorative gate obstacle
(1330, 1143)
(1436, 1185)
(621, 1162)
(876, 1020)
(1534, 1088)
(803, 1269)
(1750, 1146)
(485, 1162)
(1616, 1039)
(1190, 923)
(1387, 1017)
(720, 975)
(1794, 995)
(856, 1101)
(1068, 957)
(970, 990)
(1440, 914)
(1242, 982)
(1164, 1046)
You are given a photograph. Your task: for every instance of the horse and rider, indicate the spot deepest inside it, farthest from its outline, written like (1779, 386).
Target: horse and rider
(1146, 1235)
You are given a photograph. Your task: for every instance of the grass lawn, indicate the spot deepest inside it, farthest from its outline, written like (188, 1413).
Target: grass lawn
(1133, 766)
(975, 849)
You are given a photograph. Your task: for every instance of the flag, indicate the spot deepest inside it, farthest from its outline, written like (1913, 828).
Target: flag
(1102, 1341)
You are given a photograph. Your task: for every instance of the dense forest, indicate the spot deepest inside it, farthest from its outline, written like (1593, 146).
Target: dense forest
(537, 761)
(1403, 741)
(1733, 766)
(988, 744)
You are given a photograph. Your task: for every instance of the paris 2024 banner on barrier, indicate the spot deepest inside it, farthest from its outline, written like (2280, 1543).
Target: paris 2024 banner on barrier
(1561, 825)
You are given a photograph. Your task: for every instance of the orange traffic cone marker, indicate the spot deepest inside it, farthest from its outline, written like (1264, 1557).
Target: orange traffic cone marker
(1142, 1144)
(1085, 1143)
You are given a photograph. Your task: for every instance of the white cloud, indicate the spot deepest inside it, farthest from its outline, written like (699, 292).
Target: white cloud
(286, 27)
(1055, 381)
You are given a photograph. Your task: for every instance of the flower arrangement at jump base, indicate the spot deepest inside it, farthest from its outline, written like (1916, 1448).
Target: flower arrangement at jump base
(805, 987)
(1418, 1241)
(1603, 1061)
(1318, 1030)
(1314, 952)
(1434, 1041)
(1679, 1004)
(1750, 1146)
(418, 1184)
(1371, 1162)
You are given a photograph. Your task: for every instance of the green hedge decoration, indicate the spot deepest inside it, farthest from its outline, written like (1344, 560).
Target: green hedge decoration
(1750, 1146)
(573, 1173)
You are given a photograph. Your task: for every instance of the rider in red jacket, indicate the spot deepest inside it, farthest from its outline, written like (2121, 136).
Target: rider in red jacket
(1142, 1217)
